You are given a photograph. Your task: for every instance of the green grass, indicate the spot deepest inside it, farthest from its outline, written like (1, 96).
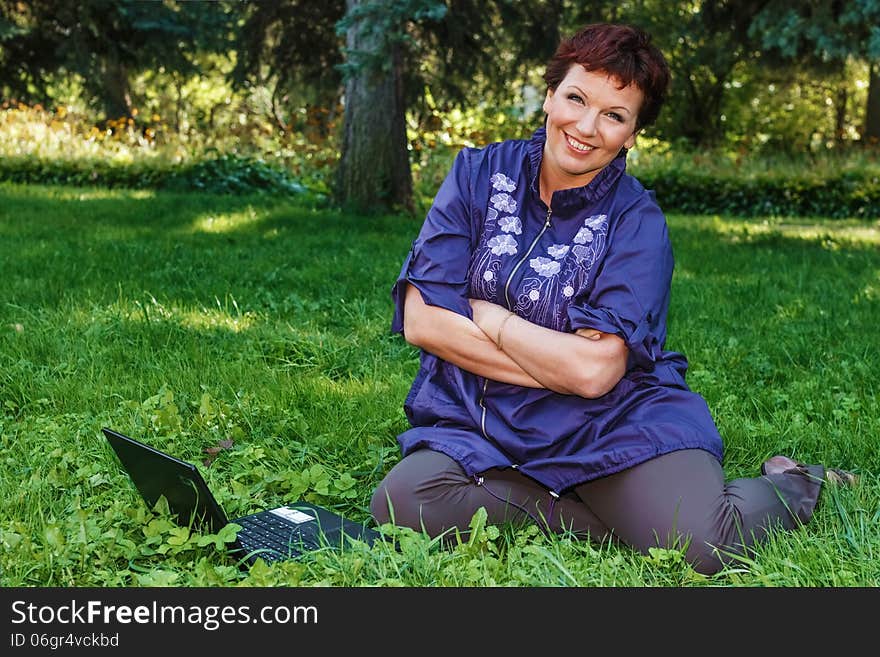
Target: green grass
(187, 320)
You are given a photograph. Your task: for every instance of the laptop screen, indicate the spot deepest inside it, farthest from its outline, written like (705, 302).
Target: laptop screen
(156, 473)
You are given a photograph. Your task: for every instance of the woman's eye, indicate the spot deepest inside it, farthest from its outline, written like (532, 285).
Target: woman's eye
(576, 98)
(616, 117)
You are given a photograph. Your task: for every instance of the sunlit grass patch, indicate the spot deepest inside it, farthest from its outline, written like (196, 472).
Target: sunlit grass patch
(185, 316)
(838, 232)
(225, 222)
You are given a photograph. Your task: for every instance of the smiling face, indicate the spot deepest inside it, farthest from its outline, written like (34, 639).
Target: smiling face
(589, 119)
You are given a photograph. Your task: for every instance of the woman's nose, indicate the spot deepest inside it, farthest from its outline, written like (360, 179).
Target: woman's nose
(587, 123)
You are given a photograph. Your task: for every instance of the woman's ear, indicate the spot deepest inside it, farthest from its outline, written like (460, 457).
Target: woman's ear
(629, 143)
(547, 99)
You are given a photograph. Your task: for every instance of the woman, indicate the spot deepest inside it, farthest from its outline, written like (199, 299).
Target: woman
(537, 291)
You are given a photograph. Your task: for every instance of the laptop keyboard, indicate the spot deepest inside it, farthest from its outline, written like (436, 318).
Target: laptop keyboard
(273, 538)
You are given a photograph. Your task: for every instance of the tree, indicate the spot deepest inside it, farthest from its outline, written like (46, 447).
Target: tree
(871, 132)
(828, 32)
(374, 170)
(103, 41)
(293, 48)
(704, 43)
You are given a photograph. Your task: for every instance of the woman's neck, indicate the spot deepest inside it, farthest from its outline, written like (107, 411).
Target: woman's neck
(550, 181)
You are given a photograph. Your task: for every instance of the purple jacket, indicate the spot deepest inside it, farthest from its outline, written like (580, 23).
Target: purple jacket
(601, 259)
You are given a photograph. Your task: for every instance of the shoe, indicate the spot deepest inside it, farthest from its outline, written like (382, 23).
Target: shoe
(838, 477)
(834, 476)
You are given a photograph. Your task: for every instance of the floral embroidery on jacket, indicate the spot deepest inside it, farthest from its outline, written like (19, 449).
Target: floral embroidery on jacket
(502, 245)
(511, 225)
(583, 236)
(544, 266)
(502, 183)
(551, 279)
(486, 263)
(503, 202)
(545, 296)
(558, 251)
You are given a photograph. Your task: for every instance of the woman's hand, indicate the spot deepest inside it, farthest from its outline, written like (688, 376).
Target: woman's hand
(589, 334)
(587, 363)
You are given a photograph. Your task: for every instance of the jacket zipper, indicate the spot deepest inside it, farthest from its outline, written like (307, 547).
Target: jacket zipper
(523, 259)
(507, 300)
(483, 412)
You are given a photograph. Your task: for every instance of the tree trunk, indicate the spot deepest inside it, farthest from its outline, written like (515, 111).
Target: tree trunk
(116, 93)
(705, 97)
(871, 134)
(840, 113)
(178, 103)
(374, 171)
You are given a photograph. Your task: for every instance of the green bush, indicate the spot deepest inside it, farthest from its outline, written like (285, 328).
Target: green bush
(225, 174)
(232, 174)
(845, 195)
(64, 148)
(836, 183)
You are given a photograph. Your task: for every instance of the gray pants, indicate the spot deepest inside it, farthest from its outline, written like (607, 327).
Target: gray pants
(671, 501)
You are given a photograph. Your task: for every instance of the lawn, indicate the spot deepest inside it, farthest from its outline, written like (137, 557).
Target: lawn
(251, 335)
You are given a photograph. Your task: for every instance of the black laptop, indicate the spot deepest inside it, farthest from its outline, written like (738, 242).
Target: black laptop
(285, 532)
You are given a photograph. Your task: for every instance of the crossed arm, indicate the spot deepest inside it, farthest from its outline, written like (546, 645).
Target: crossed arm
(587, 363)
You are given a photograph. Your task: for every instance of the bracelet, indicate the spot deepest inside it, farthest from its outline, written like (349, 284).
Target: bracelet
(500, 328)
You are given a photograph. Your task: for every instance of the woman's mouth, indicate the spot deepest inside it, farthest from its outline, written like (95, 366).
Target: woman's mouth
(579, 146)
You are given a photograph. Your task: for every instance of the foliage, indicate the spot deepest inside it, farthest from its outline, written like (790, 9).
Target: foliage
(459, 54)
(230, 174)
(832, 186)
(104, 42)
(291, 49)
(261, 81)
(61, 148)
(823, 33)
(824, 29)
(812, 111)
(704, 43)
(223, 174)
(839, 196)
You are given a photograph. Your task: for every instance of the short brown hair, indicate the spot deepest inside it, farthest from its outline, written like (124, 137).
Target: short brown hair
(624, 52)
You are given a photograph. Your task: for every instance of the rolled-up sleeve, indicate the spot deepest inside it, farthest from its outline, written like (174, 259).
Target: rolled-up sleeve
(630, 294)
(437, 265)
